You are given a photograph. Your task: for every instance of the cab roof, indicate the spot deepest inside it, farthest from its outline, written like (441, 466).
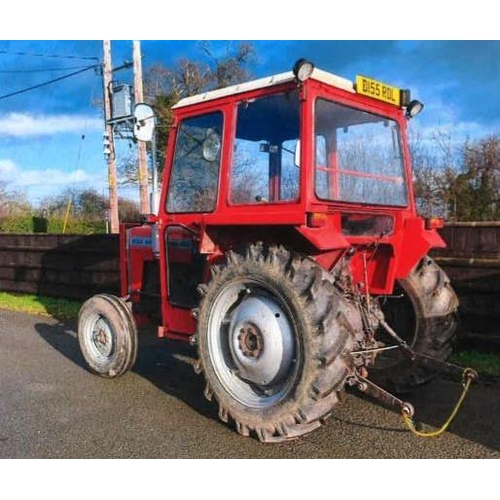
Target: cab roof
(261, 83)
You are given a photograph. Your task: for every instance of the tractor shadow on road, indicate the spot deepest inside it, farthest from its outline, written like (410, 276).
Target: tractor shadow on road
(166, 364)
(62, 338)
(169, 366)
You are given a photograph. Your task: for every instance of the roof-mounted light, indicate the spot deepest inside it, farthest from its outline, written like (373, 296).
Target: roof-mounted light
(303, 70)
(414, 108)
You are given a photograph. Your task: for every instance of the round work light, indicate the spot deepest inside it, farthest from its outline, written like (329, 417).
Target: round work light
(414, 108)
(303, 69)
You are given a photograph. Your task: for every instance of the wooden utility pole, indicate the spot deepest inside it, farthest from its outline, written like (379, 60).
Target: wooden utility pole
(111, 159)
(141, 145)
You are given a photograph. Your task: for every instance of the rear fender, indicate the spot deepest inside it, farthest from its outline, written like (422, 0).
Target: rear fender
(415, 244)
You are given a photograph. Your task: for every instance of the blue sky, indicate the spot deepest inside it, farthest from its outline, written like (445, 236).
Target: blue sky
(41, 145)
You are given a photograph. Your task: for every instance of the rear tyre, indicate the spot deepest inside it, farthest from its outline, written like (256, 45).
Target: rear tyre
(274, 340)
(107, 335)
(425, 315)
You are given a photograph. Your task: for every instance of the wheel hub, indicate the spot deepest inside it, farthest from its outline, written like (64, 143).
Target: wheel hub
(250, 341)
(102, 338)
(261, 341)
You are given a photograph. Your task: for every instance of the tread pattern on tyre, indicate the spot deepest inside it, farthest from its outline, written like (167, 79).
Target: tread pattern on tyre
(327, 329)
(435, 306)
(127, 346)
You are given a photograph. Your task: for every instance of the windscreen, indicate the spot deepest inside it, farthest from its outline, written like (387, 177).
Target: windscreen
(358, 156)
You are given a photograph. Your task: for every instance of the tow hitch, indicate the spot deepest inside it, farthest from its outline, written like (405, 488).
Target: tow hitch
(463, 375)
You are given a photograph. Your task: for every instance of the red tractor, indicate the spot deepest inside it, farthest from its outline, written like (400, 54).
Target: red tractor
(288, 249)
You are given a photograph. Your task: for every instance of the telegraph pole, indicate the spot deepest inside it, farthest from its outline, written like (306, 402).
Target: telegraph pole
(141, 145)
(111, 159)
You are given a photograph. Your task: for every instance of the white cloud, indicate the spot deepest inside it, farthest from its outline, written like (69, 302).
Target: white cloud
(54, 176)
(37, 184)
(28, 125)
(8, 169)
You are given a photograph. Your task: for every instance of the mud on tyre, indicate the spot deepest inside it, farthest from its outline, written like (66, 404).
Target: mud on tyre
(274, 337)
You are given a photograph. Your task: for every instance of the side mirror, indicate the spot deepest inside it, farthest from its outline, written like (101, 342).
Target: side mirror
(211, 145)
(144, 122)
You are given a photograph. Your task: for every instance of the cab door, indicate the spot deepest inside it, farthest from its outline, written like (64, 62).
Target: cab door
(192, 194)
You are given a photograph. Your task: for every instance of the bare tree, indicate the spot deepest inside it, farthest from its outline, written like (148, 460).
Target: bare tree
(436, 165)
(164, 87)
(87, 205)
(12, 202)
(479, 182)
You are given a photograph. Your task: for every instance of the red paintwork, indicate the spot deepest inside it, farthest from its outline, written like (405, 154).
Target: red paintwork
(397, 252)
(135, 249)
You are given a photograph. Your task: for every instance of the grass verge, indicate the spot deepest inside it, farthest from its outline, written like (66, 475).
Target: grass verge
(481, 361)
(35, 304)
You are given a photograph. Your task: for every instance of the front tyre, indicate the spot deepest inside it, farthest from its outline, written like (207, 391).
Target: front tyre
(107, 335)
(274, 340)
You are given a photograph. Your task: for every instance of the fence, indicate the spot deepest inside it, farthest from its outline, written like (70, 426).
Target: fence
(59, 265)
(80, 266)
(472, 261)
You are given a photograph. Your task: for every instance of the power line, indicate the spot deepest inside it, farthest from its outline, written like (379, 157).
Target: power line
(57, 56)
(40, 70)
(43, 84)
(84, 134)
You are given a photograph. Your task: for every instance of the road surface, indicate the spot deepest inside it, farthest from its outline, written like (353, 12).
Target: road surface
(52, 407)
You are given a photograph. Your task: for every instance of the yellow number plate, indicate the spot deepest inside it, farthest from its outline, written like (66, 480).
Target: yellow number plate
(378, 90)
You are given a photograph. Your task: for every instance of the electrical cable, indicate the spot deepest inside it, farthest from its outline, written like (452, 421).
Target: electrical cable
(54, 56)
(84, 133)
(22, 91)
(39, 70)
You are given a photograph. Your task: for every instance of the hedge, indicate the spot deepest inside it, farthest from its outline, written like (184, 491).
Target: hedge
(32, 224)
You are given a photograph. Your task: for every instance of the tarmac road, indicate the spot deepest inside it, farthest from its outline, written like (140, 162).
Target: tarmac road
(52, 407)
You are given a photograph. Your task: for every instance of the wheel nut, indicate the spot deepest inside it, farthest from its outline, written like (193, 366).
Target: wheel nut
(250, 341)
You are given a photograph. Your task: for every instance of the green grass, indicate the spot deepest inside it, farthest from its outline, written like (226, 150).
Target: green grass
(483, 362)
(35, 304)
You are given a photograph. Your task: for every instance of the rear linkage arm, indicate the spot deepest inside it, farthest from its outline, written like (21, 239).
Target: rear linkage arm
(457, 372)
(368, 387)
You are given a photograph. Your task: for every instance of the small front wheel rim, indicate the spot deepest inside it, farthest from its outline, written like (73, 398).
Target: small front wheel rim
(253, 344)
(99, 336)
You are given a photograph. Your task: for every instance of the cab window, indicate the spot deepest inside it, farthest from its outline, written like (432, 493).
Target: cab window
(264, 167)
(195, 169)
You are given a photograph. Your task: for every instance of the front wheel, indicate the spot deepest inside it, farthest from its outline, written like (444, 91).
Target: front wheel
(274, 342)
(107, 335)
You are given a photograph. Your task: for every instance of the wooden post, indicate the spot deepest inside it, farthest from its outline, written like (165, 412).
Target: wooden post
(113, 190)
(141, 145)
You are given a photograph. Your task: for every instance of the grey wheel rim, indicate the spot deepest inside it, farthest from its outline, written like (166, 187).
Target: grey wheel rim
(253, 344)
(99, 337)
